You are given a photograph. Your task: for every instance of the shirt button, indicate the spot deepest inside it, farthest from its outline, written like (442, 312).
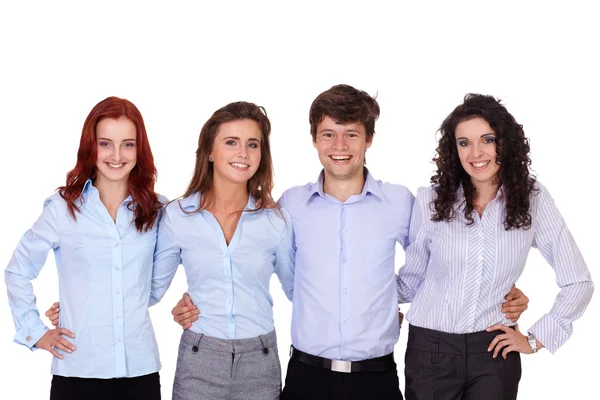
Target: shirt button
(118, 292)
(116, 244)
(119, 340)
(344, 231)
(345, 290)
(28, 338)
(117, 268)
(345, 320)
(118, 316)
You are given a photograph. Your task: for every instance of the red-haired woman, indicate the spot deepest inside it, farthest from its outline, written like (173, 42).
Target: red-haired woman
(102, 228)
(230, 237)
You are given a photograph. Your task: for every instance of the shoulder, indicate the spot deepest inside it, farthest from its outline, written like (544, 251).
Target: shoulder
(163, 199)
(394, 192)
(295, 195)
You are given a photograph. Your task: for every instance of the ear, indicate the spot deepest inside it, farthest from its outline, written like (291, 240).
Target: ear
(314, 143)
(369, 143)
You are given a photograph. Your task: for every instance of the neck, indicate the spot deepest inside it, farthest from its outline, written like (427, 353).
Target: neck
(227, 197)
(486, 192)
(111, 193)
(342, 189)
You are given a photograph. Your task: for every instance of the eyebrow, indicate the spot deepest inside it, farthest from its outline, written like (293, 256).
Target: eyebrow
(482, 136)
(109, 140)
(346, 131)
(237, 138)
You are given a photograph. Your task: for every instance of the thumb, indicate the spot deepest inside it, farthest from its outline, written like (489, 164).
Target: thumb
(188, 300)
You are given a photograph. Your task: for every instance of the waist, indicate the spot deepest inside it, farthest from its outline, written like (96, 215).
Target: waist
(378, 364)
(229, 345)
(422, 339)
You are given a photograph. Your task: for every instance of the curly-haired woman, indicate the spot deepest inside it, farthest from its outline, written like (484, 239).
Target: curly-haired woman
(471, 232)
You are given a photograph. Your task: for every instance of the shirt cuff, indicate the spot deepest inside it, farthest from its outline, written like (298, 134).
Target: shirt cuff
(549, 333)
(29, 336)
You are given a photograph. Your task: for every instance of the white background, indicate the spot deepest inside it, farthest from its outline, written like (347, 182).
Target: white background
(179, 62)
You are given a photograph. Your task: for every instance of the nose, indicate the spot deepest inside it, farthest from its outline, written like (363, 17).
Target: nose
(477, 150)
(243, 152)
(340, 143)
(117, 153)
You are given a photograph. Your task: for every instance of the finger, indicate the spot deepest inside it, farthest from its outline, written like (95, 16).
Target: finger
(58, 344)
(55, 353)
(187, 326)
(495, 341)
(500, 346)
(66, 343)
(52, 311)
(498, 327)
(514, 308)
(64, 331)
(186, 321)
(509, 349)
(188, 299)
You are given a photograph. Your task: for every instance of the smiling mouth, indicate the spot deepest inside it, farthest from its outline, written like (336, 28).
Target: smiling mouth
(239, 166)
(340, 159)
(479, 165)
(116, 166)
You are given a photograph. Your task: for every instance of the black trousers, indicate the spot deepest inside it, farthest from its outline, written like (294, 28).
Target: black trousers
(447, 366)
(305, 381)
(145, 387)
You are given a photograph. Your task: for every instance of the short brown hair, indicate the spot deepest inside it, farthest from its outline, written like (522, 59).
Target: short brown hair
(344, 104)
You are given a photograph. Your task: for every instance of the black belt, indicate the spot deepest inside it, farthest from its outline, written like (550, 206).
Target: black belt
(379, 364)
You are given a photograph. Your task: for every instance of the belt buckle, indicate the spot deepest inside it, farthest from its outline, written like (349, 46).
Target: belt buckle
(341, 366)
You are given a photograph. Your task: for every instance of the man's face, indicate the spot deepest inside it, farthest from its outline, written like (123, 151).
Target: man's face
(341, 148)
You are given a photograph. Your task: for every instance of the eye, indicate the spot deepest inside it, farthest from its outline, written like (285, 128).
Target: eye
(103, 143)
(328, 135)
(253, 145)
(230, 143)
(489, 139)
(353, 135)
(462, 142)
(129, 144)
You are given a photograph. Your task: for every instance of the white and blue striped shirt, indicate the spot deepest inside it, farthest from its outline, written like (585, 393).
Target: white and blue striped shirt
(457, 275)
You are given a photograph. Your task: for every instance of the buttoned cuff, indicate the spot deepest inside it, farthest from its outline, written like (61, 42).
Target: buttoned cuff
(29, 336)
(549, 333)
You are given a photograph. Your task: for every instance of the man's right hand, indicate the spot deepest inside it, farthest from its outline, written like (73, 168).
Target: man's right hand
(185, 312)
(53, 340)
(52, 314)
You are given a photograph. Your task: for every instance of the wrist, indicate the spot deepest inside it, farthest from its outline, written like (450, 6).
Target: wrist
(533, 343)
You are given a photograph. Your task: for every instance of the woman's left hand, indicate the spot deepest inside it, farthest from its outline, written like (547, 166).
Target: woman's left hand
(510, 340)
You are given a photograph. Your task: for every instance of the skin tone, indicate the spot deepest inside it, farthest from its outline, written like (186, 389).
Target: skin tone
(476, 145)
(117, 155)
(341, 149)
(236, 158)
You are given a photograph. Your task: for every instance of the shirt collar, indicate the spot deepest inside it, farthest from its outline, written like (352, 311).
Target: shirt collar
(371, 186)
(193, 202)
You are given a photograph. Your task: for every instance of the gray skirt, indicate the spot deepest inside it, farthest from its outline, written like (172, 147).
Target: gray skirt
(211, 368)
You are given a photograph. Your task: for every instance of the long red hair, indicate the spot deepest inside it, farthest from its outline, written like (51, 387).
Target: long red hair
(144, 203)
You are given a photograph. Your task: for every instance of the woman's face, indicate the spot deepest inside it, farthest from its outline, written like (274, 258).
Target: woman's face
(117, 149)
(476, 144)
(236, 151)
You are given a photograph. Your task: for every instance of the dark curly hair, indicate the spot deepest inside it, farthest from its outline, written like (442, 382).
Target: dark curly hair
(512, 149)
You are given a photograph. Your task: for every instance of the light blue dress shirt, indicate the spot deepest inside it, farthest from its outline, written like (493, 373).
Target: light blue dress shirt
(104, 274)
(345, 299)
(228, 283)
(457, 275)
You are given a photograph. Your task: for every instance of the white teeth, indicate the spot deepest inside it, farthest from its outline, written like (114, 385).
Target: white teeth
(480, 164)
(340, 158)
(115, 165)
(239, 165)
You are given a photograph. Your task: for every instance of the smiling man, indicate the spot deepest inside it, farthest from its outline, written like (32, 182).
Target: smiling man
(344, 318)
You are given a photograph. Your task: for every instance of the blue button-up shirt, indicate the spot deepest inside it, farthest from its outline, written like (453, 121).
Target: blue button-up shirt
(345, 300)
(104, 273)
(228, 283)
(456, 275)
